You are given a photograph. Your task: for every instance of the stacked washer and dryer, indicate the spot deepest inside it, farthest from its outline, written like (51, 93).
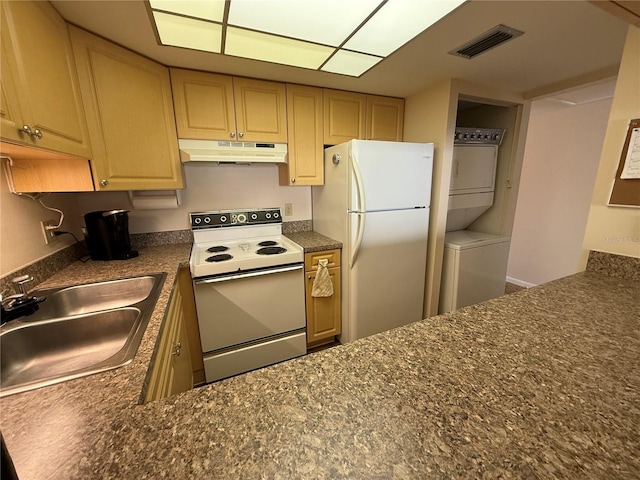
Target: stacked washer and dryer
(475, 263)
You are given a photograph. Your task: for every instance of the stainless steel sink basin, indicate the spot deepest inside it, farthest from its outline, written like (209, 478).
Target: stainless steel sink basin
(78, 331)
(92, 297)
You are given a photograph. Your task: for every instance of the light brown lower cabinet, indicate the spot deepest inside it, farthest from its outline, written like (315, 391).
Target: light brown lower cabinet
(172, 371)
(323, 313)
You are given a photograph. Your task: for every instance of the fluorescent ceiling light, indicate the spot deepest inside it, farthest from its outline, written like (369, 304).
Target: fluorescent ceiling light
(188, 32)
(354, 35)
(350, 63)
(397, 22)
(206, 10)
(312, 20)
(271, 48)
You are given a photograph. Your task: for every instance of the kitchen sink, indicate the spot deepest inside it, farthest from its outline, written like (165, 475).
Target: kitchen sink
(92, 297)
(78, 330)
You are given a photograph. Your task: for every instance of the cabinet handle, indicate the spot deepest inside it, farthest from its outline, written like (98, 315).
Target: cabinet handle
(308, 277)
(176, 349)
(233, 134)
(241, 134)
(104, 183)
(293, 180)
(33, 133)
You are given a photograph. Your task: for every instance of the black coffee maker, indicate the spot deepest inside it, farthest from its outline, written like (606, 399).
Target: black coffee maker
(107, 235)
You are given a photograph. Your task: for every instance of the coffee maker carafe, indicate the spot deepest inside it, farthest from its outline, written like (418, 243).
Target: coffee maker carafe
(107, 235)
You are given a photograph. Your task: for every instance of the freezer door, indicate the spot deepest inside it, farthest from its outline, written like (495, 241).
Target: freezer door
(390, 175)
(386, 275)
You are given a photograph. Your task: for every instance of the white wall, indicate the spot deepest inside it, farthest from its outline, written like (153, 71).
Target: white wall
(561, 159)
(209, 187)
(21, 239)
(617, 229)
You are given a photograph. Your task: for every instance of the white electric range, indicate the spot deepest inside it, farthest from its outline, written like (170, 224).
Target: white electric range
(249, 290)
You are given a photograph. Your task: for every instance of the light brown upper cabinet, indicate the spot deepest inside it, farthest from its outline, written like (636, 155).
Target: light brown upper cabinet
(385, 118)
(350, 115)
(127, 100)
(41, 104)
(344, 116)
(304, 118)
(219, 107)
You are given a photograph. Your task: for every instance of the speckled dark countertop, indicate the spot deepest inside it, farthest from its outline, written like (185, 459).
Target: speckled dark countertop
(543, 383)
(313, 242)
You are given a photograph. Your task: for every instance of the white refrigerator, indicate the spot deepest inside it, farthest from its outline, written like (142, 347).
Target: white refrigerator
(375, 201)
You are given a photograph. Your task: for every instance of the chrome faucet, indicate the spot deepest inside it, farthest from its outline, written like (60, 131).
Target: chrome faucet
(19, 304)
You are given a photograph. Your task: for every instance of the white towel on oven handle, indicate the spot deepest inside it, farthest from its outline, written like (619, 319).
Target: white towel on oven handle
(322, 285)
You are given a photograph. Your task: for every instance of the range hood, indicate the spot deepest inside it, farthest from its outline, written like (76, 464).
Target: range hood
(231, 152)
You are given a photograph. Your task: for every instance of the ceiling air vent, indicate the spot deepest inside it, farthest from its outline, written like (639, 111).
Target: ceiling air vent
(488, 40)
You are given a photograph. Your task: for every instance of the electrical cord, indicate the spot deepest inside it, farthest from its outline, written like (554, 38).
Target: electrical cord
(52, 227)
(57, 233)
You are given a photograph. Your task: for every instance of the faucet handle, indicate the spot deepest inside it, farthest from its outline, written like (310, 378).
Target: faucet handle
(20, 283)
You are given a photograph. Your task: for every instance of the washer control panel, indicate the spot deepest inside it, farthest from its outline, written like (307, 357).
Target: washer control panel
(478, 136)
(234, 218)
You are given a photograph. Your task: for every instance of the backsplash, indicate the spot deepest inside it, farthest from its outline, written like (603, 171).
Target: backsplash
(42, 269)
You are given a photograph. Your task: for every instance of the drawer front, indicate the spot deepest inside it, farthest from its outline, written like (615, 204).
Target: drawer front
(311, 259)
(228, 363)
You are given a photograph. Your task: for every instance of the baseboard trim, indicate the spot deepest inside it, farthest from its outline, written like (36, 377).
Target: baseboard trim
(520, 283)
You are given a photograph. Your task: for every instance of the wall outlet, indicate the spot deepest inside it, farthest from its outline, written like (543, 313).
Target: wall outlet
(288, 209)
(49, 235)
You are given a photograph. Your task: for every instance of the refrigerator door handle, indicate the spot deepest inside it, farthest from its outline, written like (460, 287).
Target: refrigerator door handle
(360, 233)
(361, 207)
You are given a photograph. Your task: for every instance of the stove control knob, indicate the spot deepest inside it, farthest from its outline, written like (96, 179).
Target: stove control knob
(254, 216)
(197, 220)
(276, 215)
(223, 219)
(242, 218)
(207, 219)
(268, 215)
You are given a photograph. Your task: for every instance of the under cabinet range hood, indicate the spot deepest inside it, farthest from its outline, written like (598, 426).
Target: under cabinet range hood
(215, 151)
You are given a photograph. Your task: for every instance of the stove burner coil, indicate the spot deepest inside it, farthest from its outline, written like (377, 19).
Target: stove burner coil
(219, 258)
(271, 250)
(217, 248)
(267, 243)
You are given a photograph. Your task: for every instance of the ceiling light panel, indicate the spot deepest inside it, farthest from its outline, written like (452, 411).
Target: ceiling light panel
(271, 48)
(397, 22)
(328, 22)
(210, 10)
(350, 63)
(185, 32)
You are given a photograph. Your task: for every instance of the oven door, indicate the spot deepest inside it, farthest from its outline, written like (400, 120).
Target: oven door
(246, 307)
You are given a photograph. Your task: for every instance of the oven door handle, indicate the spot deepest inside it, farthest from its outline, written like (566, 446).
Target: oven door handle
(249, 274)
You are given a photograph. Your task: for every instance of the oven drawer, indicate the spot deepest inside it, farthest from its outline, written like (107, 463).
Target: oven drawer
(249, 306)
(233, 362)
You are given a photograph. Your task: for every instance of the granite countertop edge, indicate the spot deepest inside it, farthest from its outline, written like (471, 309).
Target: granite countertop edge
(94, 427)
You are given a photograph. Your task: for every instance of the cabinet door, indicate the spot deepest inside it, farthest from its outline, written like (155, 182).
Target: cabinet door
(344, 116)
(172, 371)
(38, 60)
(385, 118)
(10, 116)
(323, 313)
(129, 110)
(304, 118)
(204, 105)
(261, 110)
(179, 376)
